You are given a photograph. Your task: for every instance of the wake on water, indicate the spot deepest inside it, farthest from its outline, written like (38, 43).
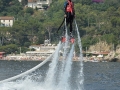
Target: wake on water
(50, 82)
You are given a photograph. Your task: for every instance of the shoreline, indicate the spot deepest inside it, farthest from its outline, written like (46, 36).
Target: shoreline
(111, 57)
(74, 59)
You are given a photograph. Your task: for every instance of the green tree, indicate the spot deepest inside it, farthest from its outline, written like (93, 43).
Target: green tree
(12, 48)
(24, 2)
(29, 10)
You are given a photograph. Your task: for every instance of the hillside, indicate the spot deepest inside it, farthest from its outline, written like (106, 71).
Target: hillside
(97, 21)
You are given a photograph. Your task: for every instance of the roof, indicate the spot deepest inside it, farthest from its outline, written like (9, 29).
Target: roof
(30, 1)
(6, 18)
(2, 52)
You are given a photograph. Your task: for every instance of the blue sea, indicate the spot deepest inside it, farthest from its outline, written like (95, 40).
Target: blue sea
(97, 75)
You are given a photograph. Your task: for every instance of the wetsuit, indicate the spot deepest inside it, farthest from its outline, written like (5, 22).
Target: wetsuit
(70, 13)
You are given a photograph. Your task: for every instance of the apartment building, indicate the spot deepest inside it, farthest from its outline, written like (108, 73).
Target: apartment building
(6, 21)
(40, 4)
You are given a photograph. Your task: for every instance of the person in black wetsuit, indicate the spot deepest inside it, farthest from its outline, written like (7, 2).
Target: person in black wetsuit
(69, 13)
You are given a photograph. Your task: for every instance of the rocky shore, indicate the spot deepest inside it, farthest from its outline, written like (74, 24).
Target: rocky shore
(102, 46)
(113, 57)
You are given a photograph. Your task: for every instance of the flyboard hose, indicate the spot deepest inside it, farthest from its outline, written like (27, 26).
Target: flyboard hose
(61, 25)
(29, 71)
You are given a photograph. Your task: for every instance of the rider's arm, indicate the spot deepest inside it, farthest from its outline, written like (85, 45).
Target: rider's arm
(65, 6)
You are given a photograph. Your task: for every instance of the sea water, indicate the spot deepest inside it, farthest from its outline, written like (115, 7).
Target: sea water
(97, 75)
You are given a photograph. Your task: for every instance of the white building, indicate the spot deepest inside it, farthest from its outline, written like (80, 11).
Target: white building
(40, 4)
(19, 0)
(7, 21)
(41, 50)
(43, 47)
(32, 3)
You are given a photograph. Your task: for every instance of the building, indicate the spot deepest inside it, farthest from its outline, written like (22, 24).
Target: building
(6, 21)
(42, 50)
(19, 0)
(40, 4)
(2, 54)
(32, 3)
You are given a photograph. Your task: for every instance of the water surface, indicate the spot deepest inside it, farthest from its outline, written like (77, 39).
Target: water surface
(97, 75)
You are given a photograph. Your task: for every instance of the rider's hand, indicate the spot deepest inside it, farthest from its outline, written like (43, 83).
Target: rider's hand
(65, 15)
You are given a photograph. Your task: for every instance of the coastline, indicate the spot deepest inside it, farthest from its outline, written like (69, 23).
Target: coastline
(37, 58)
(111, 57)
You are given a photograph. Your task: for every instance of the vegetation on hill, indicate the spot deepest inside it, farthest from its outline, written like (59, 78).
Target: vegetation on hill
(96, 21)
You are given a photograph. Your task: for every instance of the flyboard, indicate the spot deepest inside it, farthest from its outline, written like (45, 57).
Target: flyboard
(71, 39)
